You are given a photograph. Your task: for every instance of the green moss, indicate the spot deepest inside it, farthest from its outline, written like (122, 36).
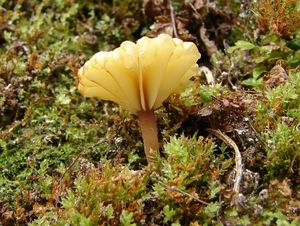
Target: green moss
(281, 101)
(101, 196)
(44, 49)
(283, 157)
(185, 159)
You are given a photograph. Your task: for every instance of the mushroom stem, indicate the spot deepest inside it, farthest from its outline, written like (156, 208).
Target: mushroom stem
(148, 126)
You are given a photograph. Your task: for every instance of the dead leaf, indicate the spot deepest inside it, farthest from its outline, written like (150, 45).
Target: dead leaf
(276, 76)
(283, 187)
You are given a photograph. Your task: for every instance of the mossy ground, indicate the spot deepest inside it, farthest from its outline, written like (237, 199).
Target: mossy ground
(68, 160)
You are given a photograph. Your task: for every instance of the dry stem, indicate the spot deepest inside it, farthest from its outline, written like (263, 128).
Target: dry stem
(173, 188)
(238, 158)
(173, 19)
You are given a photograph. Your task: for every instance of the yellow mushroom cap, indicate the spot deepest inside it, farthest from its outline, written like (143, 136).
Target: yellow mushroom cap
(140, 76)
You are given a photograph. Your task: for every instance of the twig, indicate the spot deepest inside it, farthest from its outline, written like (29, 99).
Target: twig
(256, 133)
(195, 10)
(238, 158)
(173, 188)
(292, 164)
(173, 19)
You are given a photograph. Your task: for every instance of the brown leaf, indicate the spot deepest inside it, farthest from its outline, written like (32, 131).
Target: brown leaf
(163, 24)
(153, 8)
(276, 76)
(283, 187)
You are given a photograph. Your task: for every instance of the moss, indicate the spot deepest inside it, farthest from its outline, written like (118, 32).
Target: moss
(48, 123)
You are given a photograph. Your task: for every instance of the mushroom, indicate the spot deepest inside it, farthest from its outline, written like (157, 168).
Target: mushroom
(139, 77)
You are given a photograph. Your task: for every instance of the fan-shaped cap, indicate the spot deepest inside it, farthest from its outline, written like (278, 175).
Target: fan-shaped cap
(140, 76)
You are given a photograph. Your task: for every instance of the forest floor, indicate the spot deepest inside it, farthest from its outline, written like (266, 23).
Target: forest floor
(70, 160)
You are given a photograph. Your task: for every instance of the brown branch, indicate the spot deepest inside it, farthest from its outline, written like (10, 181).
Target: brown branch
(80, 154)
(173, 19)
(195, 10)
